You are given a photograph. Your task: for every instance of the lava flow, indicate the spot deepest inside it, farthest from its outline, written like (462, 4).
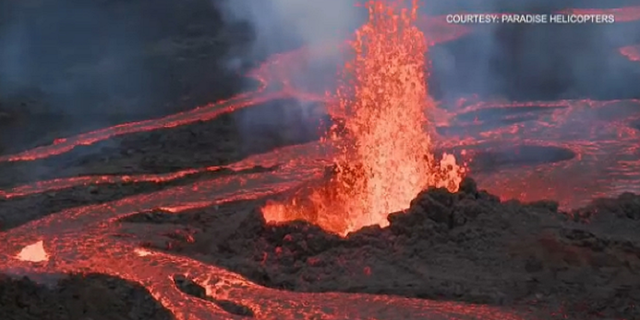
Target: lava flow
(631, 52)
(386, 157)
(594, 143)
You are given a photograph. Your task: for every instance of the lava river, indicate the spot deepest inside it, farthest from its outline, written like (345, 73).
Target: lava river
(602, 161)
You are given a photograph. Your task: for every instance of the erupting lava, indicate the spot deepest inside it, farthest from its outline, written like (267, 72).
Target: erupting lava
(381, 162)
(386, 157)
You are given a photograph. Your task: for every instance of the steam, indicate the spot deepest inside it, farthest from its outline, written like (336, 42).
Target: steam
(283, 25)
(535, 61)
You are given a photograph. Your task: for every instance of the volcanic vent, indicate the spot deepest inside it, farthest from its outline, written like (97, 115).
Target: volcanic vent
(385, 156)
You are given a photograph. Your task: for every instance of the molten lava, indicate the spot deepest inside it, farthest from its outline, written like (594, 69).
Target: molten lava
(81, 239)
(34, 253)
(385, 157)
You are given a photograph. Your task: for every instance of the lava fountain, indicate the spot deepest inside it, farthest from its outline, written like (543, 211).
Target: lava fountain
(385, 156)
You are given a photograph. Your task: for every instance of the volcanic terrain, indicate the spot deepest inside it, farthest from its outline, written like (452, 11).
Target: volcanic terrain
(271, 203)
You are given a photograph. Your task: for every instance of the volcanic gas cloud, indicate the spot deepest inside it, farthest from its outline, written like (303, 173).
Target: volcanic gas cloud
(385, 154)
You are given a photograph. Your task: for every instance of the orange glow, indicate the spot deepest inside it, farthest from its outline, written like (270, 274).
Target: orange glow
(33, 253)
(81, 239)
(386, 157)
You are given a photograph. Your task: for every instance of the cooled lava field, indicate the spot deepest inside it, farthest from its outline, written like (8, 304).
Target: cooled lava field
(255, 191)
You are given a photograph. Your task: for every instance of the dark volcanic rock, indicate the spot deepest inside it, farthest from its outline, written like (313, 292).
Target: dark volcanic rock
(625, 206)
(95, 297)
(465, 246)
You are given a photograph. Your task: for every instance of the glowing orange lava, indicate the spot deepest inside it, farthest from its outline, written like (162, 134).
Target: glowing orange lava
(385, 157)
(81, 239)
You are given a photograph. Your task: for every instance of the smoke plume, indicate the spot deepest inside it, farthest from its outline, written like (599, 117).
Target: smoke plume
(284, 25)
